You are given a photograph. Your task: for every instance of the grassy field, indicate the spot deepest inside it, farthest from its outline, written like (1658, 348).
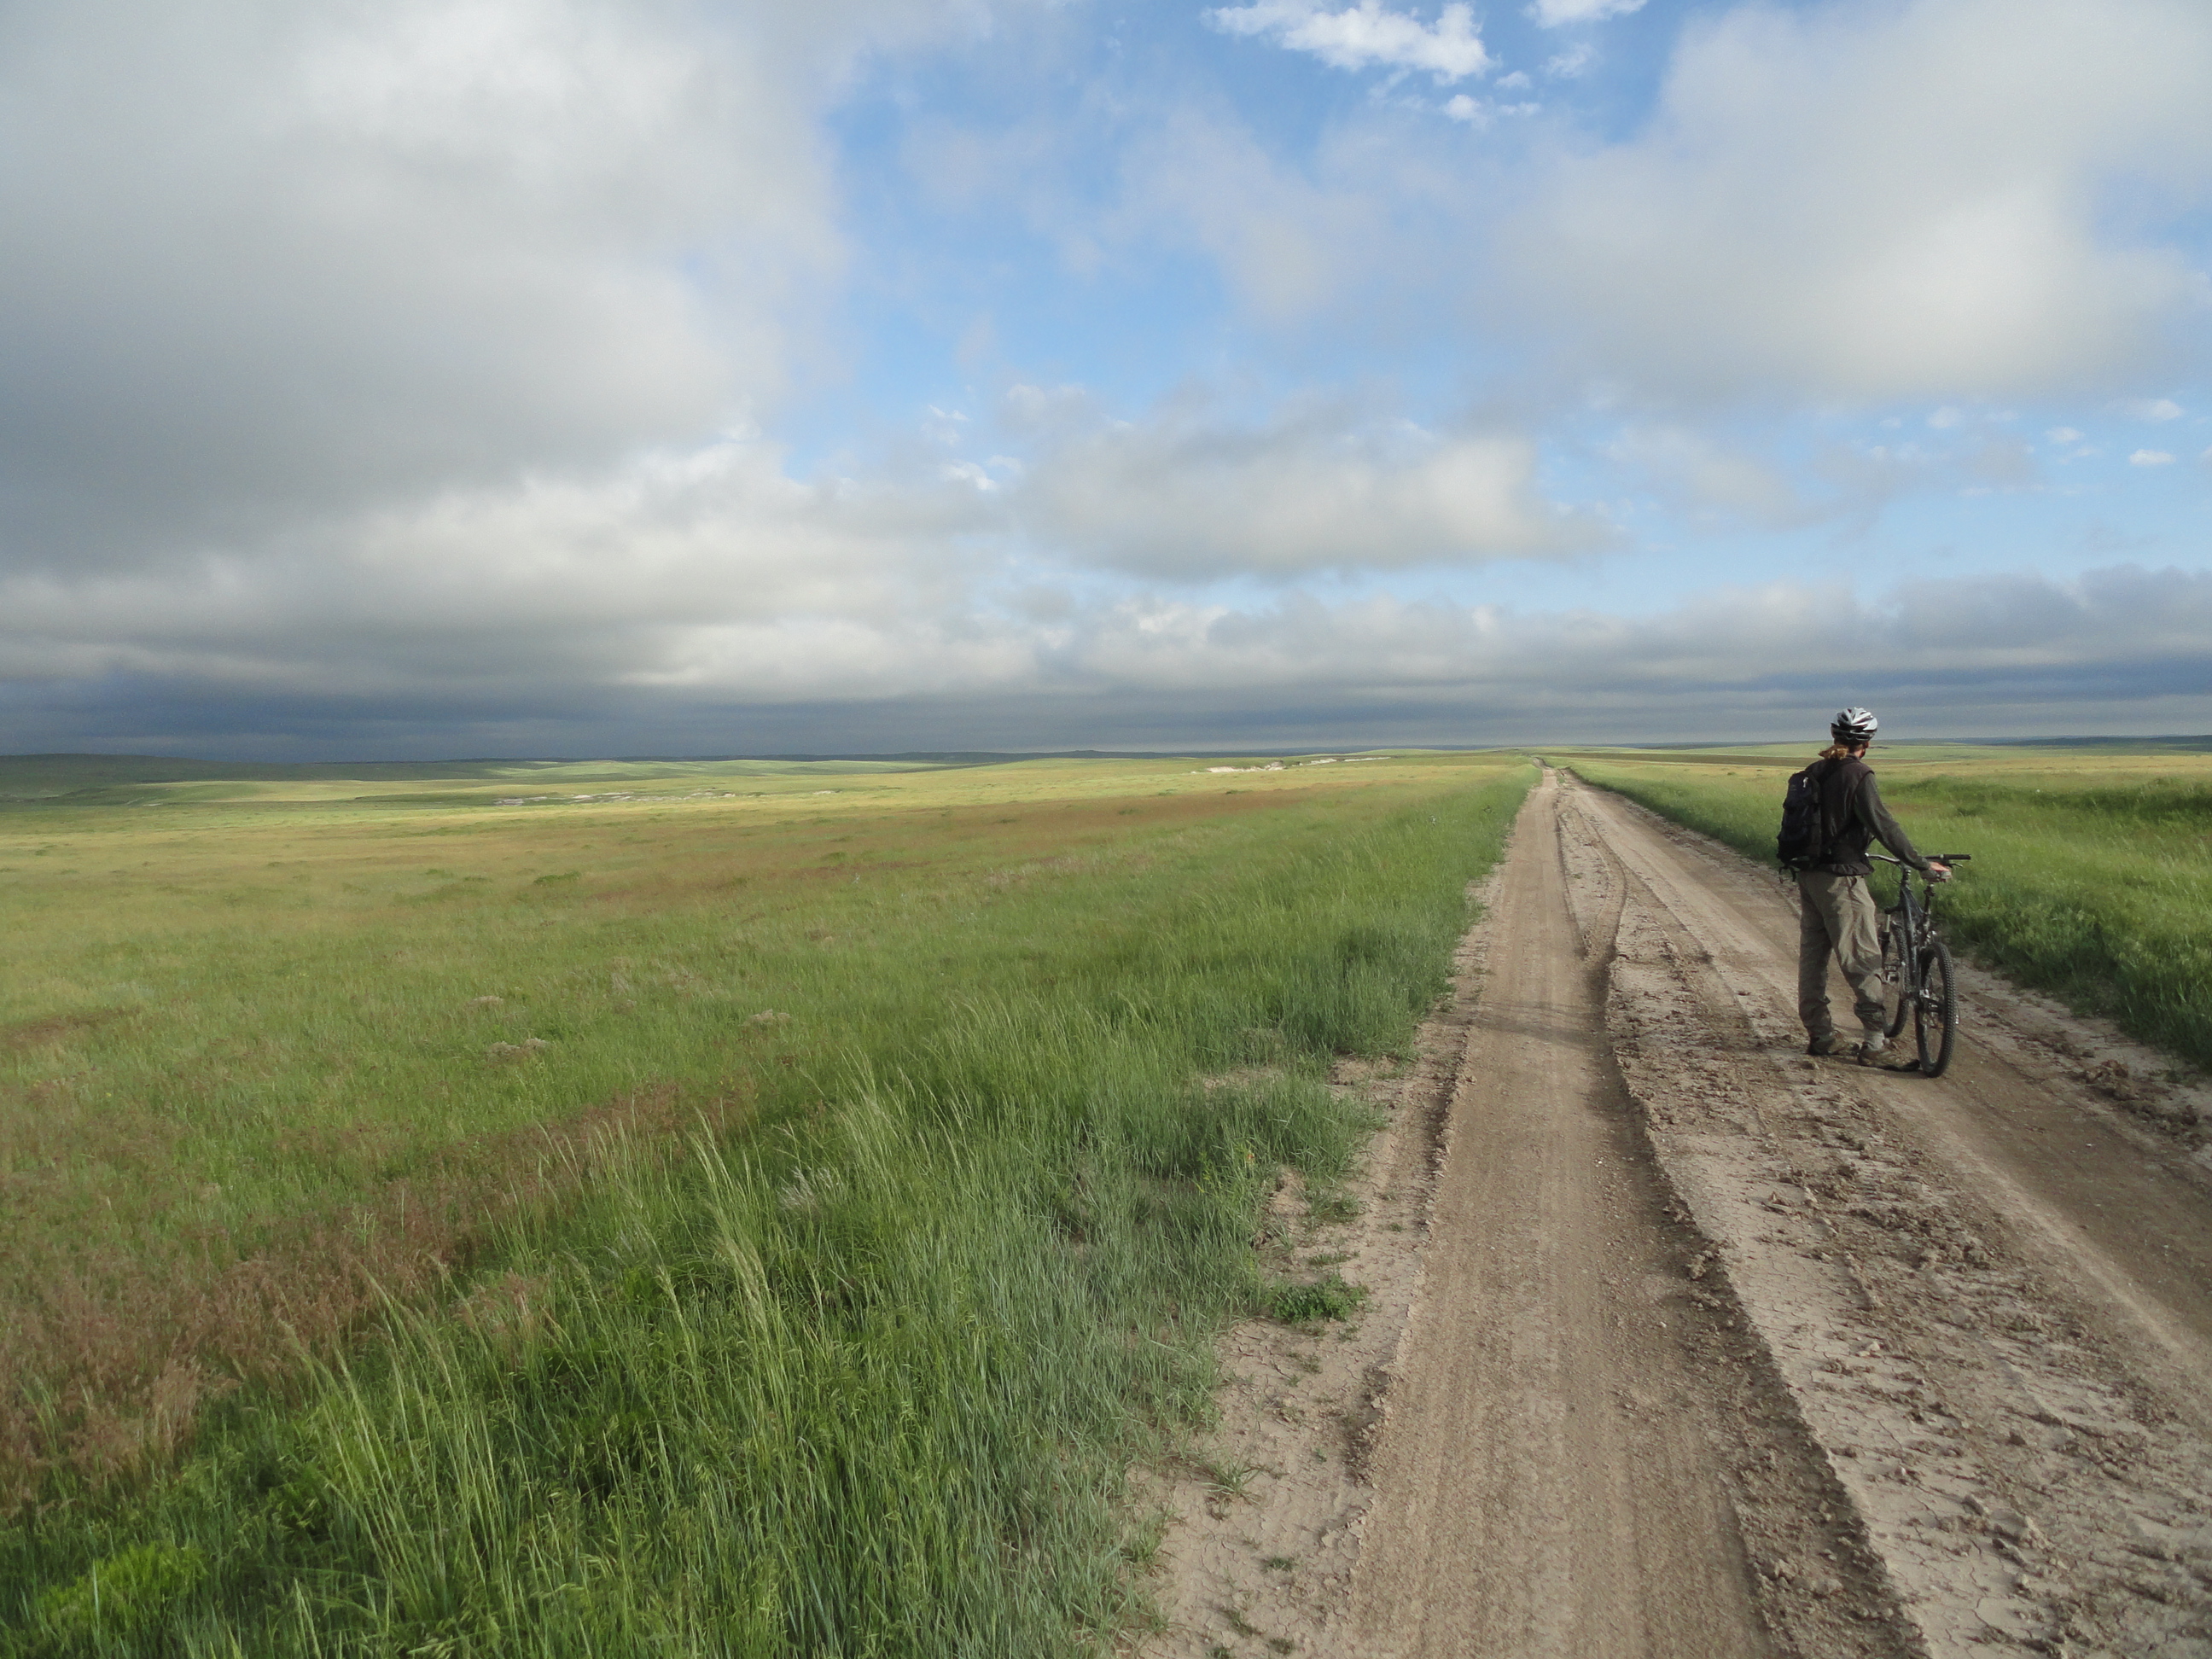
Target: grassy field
(2092, 871)
(705, 1210)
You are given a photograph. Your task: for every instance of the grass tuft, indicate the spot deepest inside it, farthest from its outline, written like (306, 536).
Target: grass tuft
(1326, 1298)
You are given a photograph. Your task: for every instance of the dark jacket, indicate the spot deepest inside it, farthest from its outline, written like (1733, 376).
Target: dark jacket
(1852, 813)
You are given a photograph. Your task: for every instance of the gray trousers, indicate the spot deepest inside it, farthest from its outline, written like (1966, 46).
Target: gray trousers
(1836, 916)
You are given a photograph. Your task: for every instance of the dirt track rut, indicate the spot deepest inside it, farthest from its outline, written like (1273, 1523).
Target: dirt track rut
(1690, 1345)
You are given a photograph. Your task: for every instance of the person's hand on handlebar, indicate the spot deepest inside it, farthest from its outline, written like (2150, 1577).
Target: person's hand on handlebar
(1937, 872)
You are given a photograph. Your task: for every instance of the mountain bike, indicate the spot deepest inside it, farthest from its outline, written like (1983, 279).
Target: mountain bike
(1917, 962)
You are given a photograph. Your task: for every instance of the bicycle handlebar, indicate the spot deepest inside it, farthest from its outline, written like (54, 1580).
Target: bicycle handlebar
(1933, 858)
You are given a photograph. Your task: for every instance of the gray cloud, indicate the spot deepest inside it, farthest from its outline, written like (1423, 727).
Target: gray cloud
(2126, 649)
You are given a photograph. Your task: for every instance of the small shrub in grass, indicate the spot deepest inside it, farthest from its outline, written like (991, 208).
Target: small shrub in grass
(1310, 1304)
(1334, 1205)
(126, 1595)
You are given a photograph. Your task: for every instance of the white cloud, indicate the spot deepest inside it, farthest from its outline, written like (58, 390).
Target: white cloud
(972, 473)
(1871, 204)
(1572, 62)
(1945, 417)
(1553, 13)
(1292, 242)
(2064, 434)
(1481, 114)
(2150, 458)
(269, 262)
(708, 570)
(2153, 409)
(1191, 496)
(1714, 484)
(1364, 36)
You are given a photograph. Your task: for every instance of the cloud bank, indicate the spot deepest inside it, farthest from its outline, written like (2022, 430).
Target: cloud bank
(710, 671)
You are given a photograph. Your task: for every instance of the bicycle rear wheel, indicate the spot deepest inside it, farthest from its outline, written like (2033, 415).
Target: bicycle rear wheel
(1896, 981)
(1935, 1009)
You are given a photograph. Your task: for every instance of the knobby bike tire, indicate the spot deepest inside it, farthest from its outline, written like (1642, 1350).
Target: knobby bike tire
(1935, 1009)
(1896, 979)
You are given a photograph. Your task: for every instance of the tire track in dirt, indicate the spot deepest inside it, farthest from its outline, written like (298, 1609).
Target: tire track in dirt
(1552, 1477)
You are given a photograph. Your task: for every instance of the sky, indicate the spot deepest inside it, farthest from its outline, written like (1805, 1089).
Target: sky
(424, 379)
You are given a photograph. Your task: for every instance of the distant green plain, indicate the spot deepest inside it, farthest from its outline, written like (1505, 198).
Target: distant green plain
(733, 1208)
(2091, 866)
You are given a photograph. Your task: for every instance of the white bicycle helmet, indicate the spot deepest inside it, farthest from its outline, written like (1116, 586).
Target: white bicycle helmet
(1854, 725)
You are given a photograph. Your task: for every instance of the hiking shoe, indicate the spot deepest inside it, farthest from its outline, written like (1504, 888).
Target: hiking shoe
(1875, 1051)
(1822, 1045)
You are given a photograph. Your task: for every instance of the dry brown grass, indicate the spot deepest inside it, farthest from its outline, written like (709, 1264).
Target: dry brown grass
(106, 1362)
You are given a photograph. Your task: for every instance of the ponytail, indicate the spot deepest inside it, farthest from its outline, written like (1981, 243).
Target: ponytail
(1835, 751)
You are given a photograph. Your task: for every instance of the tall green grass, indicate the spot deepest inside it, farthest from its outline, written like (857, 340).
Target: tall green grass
(2095, 891)
(255, 1055)
(863, 1376)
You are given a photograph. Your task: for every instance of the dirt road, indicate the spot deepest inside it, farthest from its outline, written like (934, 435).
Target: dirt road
(1681, 1343)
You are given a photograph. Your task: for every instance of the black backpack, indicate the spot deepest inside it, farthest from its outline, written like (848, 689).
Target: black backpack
(1802, 843)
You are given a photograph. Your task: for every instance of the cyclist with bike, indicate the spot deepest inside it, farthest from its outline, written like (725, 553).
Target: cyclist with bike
(1836, 912)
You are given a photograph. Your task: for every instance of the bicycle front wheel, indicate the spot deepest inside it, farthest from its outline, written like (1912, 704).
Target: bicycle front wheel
(1935, 1009)
(1896, 979)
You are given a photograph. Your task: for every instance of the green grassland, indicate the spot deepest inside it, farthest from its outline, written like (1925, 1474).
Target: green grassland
(96, 780)
(711, 1212)
(2092, 871)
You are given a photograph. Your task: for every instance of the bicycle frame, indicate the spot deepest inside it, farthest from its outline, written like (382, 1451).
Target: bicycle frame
(1915, 961)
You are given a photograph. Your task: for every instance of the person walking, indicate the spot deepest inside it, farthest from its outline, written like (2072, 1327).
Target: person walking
(1835, 908)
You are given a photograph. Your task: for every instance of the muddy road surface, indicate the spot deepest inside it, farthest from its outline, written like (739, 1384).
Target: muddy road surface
(1680, 1343)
